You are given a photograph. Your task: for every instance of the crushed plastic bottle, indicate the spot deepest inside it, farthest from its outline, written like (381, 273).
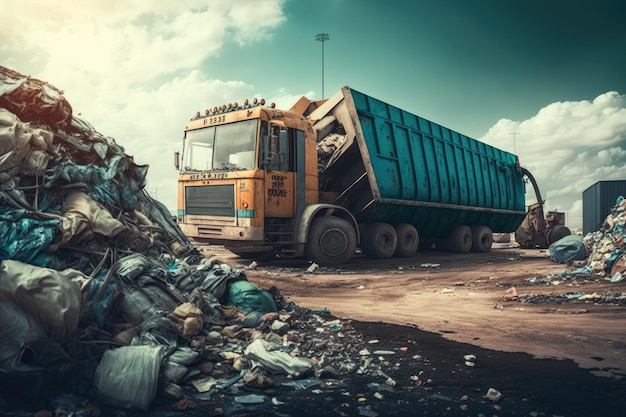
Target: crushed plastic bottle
(493, 395)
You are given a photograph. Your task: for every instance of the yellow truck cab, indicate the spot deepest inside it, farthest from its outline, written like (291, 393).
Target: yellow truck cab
(246, 177)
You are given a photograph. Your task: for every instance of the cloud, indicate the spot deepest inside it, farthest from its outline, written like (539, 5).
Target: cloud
(569, 146)
(131, 69)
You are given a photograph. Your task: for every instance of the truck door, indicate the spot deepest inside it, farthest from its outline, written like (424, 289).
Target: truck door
(278, 160)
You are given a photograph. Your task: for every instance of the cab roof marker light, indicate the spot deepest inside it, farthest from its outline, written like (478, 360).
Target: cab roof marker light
(234, 106)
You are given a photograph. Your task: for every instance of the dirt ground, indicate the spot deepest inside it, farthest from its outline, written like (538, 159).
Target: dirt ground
(463, 297)
(504, 333)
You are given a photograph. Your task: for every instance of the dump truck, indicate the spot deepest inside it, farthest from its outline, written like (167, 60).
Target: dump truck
(329, 178)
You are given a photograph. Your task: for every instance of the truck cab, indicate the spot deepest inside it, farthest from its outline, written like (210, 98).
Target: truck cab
(248, 180)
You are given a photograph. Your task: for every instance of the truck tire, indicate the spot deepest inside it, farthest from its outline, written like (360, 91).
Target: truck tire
(459, 240)
(482, 239)
(332, 241)
(379, 240)
(408, 240)
(557, 233)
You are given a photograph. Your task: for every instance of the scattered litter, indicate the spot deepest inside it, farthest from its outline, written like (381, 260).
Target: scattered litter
(510, 294)
(470, 360)
(617, 277)
(204, 384)
(250, 399)
(493, 395)
(428, 265)
(391, 382)
(275, 401)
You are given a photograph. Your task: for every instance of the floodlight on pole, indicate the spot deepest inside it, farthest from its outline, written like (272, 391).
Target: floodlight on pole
(322, 37)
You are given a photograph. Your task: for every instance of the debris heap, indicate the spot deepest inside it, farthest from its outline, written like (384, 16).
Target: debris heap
(96, 278)
(605, 247)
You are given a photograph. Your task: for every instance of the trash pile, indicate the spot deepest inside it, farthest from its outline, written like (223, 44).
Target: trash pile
(97, 282)
(605, 247)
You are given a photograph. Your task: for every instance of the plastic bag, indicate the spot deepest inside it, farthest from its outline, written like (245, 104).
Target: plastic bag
(277, 360)
(248, 297)
(569, 248)
(127, 377)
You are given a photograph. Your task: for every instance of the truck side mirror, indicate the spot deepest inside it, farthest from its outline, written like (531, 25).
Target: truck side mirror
(177, 160)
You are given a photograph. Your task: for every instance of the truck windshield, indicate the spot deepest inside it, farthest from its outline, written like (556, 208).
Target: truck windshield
(221, 148)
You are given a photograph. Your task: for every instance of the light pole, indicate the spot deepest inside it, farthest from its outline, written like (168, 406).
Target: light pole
(514, 135)
(322, 37)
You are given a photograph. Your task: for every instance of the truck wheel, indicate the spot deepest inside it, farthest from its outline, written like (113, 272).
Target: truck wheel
(459, 240)
(482, 239)
(332, 241)
(379, 241)
(408, 240)
(557, 233)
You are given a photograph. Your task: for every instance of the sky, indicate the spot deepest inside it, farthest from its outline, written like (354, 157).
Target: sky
(544, 79)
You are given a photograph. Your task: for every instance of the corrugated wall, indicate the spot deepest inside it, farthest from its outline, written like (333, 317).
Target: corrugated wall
(598, 200)
(416, 160)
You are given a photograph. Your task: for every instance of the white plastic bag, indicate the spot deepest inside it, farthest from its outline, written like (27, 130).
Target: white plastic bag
(127, 377)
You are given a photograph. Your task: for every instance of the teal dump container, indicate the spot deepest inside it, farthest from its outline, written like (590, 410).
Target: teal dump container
(396, 167)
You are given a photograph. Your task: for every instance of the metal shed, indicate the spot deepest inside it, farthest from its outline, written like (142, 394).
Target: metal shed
(598, 200)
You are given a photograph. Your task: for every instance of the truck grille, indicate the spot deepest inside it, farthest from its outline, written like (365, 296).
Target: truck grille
(210, 200)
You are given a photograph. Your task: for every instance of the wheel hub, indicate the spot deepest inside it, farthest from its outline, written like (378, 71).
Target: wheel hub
(333, 242)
